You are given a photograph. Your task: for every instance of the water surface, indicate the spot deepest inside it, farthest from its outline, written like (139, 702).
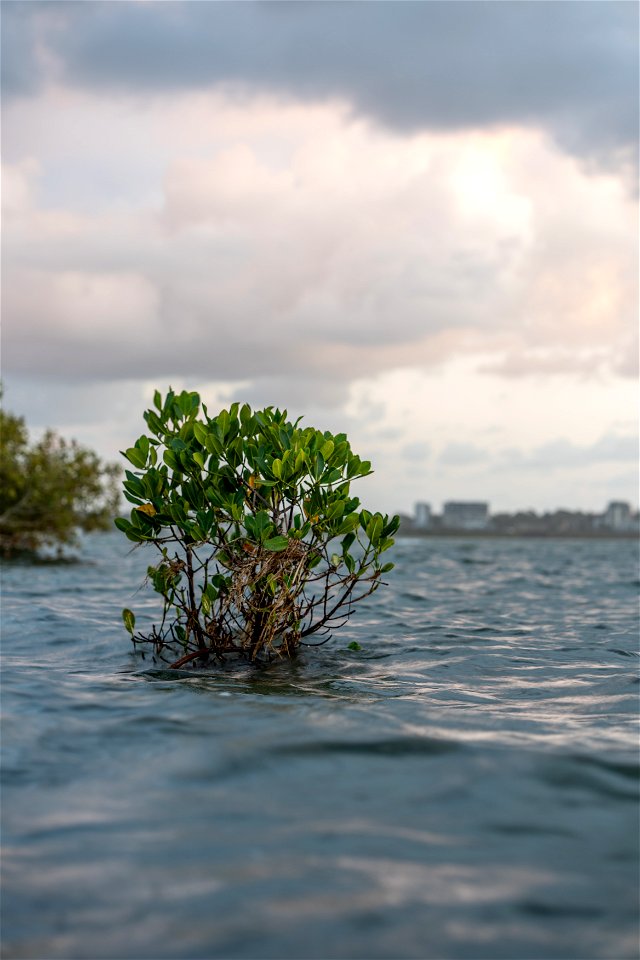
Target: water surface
(465, 786)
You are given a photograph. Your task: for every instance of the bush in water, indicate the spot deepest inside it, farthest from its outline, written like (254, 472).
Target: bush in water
(260, 541)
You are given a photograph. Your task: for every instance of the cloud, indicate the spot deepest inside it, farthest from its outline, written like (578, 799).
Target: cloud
(21, 68)
(609, 448)
(323, 250)
(407, 222)
(416, 452)
(462, 454)
(570, 68)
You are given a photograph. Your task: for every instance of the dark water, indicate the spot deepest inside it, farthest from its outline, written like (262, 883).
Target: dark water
(466, 786)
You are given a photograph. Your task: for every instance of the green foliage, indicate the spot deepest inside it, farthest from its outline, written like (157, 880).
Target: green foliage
(260, 542)
(49, 490)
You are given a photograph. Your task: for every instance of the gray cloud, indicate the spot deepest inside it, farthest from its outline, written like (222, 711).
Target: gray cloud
(568, 67)
(241, 271)
(21, 71)
(416, 452)
(462, 455)
(563, 454)
(297, 393)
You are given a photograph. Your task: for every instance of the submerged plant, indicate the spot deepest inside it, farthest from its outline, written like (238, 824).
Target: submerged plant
(260, 542)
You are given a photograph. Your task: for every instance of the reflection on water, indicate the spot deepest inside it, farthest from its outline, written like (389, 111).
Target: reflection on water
(464, 786)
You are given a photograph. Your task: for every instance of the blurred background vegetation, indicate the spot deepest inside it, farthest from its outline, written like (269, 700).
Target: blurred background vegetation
(50, 489)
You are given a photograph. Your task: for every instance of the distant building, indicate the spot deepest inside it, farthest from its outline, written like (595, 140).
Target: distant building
(422, 516)
(465, 516)
(618, 517)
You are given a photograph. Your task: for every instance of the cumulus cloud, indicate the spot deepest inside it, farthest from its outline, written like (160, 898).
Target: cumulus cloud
(406, 221)
(568, 67)
(334, 251)
(416, 452)
(462, 454)
(609, 448)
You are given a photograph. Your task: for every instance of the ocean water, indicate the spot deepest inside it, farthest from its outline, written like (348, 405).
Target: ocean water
(465, 786)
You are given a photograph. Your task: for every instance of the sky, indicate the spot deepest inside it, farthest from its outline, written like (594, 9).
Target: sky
(415, 222)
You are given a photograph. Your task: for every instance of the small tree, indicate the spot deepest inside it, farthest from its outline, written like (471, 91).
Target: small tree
(49, 490)
(260, 542)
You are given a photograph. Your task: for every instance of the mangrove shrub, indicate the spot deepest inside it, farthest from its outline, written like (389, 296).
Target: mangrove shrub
(259, 542)
(50, 489)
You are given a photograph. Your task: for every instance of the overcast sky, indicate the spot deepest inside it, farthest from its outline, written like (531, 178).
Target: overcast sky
(414, 221)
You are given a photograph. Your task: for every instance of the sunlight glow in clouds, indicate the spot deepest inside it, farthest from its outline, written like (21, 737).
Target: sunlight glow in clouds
(463, 302)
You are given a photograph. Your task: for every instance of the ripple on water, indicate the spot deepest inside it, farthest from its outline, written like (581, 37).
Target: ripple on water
(464, 785)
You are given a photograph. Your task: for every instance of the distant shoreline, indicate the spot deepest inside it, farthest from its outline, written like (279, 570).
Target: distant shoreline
(519, 535)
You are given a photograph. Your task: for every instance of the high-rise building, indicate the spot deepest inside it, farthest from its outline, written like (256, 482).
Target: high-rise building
(457, 515)
(617, 516)
(422, 516)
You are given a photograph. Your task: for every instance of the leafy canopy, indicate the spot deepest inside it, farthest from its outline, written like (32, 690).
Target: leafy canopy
(260, 542)
(50, 489)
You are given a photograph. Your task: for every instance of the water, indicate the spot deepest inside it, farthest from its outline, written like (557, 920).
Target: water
(465, 786)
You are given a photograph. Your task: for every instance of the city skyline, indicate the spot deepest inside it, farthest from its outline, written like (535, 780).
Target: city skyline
(618, 518)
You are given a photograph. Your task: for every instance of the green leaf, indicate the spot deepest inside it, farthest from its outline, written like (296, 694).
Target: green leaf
(354, 645)
(154, 423)
(185, 402)
(348, 524)
(347, 541)
(391, 526)
(353, 466)
(142, 444)
(340, 453)
(135, 537)
(129, 620)
(331, 476)
(276, 468)
(135, 456)
(336, 510)
(213, 445)
(387, 567)
(374, 528)
(276, 544)
(201, 432)
(262, 525)
(211, 592)
(327, 449)
(223, 423)
(170, 459)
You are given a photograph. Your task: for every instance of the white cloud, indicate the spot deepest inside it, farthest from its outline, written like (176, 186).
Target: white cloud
(462, 454)
(609, 448)
(328, 248)
(298, 256)
(418, 451)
